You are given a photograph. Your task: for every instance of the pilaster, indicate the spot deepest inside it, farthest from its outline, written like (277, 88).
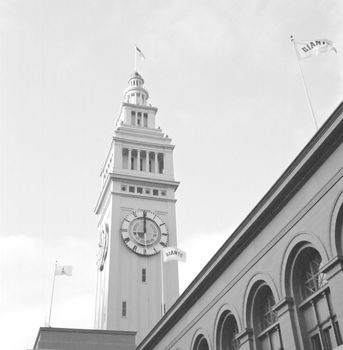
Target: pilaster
(286, 318)
(334, 275)
(246, 339)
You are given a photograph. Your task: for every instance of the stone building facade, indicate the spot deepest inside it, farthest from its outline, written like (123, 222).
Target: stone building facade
(277, 282)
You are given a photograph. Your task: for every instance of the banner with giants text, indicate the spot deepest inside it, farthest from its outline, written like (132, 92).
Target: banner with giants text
(309, 48)
(173, 253)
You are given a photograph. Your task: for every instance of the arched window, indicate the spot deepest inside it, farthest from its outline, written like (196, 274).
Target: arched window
(312, 279)
(227, 331)
(265, 320)
(200, 343)
(318, 323)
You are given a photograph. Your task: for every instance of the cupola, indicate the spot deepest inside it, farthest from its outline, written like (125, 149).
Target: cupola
(135, 93)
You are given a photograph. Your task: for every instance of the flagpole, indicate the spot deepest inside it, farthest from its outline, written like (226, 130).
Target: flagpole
(96, 321)
(162, 287)
(135, 53)
(52, 294)
(305, 86)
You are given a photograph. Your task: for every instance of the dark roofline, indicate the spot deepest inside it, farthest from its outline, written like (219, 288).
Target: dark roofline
(313, 155)
(78, 330)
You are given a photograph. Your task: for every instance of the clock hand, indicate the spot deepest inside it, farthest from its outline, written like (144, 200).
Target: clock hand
(140, 234)
(144, 227)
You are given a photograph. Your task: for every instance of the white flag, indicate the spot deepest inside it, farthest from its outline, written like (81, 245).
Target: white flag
(140, 53)
(311, 48)
(65, 270)
(173, 253)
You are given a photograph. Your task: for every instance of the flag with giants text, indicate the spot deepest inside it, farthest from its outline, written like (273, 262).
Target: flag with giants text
(65, 270)
(140, 53)
(309, 48)
(173, 253)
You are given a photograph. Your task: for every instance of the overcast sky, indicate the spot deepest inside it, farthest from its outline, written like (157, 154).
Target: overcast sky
(225, 79)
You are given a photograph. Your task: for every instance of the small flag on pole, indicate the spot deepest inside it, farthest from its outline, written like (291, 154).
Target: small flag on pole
(309, 48)
(140, 53)
(65, 270)
(173, 253)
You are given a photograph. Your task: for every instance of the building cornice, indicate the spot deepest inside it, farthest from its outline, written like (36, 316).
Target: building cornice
(149, 198)
(144, 143)
(134, 179)
(313, 155)
(146, 179)
(147, 108)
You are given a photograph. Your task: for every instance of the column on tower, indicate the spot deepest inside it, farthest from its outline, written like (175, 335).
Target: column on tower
(129, 160)
(160, 158)
(133, 118)
(134, 159)
(138, 160)
(155, 162)
(147, 161)
(123, 158)
(143, 161)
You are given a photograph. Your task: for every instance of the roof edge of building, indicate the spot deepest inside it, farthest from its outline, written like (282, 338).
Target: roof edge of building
(78, 330)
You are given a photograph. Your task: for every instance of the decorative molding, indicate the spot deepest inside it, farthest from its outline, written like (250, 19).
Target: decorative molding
(298, 242)
(139, 178)
(336, 219)
(134, 179)
(333, 267)
(246, 335)
(283, 306)
(147, 197)
(147, 145)
(132, 105)
(257, 281)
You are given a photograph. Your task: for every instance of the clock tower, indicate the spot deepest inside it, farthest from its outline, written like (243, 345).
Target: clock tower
(136, 211)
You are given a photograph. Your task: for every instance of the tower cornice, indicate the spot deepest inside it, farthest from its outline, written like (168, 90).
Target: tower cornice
(133, 105)
(134, 179)
(143, 143)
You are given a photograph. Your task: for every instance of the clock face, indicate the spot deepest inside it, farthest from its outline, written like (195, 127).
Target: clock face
(103, 247)
(144, 232)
